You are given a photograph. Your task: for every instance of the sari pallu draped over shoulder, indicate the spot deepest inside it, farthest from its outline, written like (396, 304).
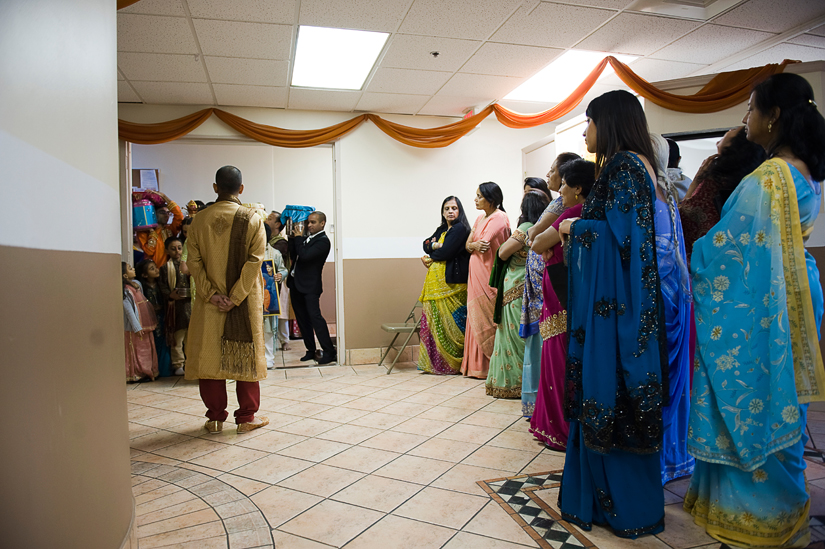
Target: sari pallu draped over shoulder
(616, 380)
(759, 358)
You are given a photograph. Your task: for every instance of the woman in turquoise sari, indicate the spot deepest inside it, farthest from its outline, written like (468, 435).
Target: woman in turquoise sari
(758, 305)
(616, 381)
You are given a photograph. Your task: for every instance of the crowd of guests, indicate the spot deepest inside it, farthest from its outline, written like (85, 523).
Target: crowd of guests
(653, 327)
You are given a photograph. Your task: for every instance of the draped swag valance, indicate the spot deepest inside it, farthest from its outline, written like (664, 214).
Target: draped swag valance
(725, 90)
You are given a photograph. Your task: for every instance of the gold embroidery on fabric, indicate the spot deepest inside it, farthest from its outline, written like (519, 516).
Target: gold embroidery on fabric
(220, 225)
(553, 325)
(513, 294)
(519, 236)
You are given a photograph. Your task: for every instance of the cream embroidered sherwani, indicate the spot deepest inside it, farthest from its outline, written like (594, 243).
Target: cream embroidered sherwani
(208, 245)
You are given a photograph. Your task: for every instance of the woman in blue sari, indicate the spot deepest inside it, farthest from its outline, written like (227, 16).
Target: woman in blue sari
(758, 306)
(616, 381)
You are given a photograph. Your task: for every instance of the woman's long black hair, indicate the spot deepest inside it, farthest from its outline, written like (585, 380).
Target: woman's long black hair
(462, 217)
(739, 158)
(532, 206)
(492, 193)
(538, 184)
(800, 125)
(621, 125)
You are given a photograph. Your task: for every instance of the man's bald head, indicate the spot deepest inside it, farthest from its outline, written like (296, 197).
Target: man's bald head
(228, 180)
(316, 222)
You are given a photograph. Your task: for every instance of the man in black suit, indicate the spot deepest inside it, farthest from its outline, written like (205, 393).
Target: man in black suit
(309, 253)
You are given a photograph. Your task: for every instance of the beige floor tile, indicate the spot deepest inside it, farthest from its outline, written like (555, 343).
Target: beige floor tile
(321, 480)
(444, 449)
(301, 395)
(356, 390)
(229, 458)
(681, 532)
(500, 458)
(517, 441)
(278, 420)
(350, 434)
(414, 469)
(521, 426)
(184, 508)
(605, 539)
(190, 534)
(308, 427)
(490, 419)
(368, 403)
(281, 504)
(179, 522)
(393, 532)
(378, 493)
(442, 507)
(301, 373)
(167, 420)
(509, 406)
(467, 403)
(394, 442)
(332, 522)
(243, 485)
(464, 540)
(314, 449)
(190, 449)
(275, 404)
(464, 478)
(427, 398)
(171, 500)
(447, 388)
(154, 441)
(408, 409)
(157, 493)
(545, 461)
(494, 522)
(152, 458)
(362, 459)
(392, 394)
(271, 441)
(671, 498)
(814, 471)
(273, 468)
(147, 486)
(342, 415)
(333, 399)
(425, 427)
(679, 486)
(469, 433)
(247, 539)
(377, 420)
(288, 541)
(306, 409)
(445, 413)
(142, 413)
(383, 380)
(217, 542)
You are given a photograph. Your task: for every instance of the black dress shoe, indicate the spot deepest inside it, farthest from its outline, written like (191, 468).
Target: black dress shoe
(327, 359)
(309, 356)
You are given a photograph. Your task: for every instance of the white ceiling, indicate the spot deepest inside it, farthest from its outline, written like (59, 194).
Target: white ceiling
(216, 52)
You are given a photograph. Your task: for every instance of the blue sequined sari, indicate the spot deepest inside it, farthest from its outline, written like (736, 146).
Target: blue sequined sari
(758, 306)
(617, 359)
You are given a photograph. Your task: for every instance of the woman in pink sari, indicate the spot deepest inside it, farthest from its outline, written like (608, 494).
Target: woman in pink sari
(547, 422)
(489, 232)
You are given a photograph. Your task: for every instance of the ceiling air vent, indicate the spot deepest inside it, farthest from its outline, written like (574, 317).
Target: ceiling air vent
(686, 9)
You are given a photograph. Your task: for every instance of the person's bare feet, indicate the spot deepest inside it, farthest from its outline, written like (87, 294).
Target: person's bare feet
(256, 423)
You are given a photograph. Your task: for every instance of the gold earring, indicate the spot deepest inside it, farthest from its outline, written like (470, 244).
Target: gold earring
(770, 125)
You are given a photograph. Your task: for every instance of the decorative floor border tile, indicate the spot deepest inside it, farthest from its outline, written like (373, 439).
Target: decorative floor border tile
(516, 495)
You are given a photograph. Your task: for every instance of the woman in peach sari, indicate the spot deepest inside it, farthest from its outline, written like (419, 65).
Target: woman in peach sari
(489, 232)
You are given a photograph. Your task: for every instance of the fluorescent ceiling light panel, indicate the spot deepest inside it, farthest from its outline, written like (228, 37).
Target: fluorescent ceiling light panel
(335, 58)
(560, 78)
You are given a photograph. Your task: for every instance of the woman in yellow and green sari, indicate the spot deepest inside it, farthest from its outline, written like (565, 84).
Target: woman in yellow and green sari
(758, 306)
(444, 297)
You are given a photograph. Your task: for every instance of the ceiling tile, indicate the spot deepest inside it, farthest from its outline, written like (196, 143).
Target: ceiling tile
(551, 25)
(258, 11)
(161, 67)
(392, 103)
(251, 96)
(180, 93)
(125, 93)
(636, 34)
(235, 39)
(153, 34)
(120, 76)
(655, 70)
(323, 100)
(711, 43)
(491, 87)
(772, 15)
(470, 19)
(255, 72)
(809, 40)
(819, 31)
(777, 54)
(510, 59)
(371, 15)
(452, 106)
(156, 7)
(413, 52)
(407, 81)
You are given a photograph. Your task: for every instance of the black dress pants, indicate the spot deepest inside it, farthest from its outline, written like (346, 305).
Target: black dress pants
(307, 309)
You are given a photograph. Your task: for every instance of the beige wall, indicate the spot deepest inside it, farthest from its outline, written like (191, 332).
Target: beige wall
(64, 462)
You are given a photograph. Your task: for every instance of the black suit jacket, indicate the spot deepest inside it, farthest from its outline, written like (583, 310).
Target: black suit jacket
(308, 261)
(453, 252)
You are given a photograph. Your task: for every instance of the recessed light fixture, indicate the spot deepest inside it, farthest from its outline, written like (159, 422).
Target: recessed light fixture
(560, 78)
(338, 59)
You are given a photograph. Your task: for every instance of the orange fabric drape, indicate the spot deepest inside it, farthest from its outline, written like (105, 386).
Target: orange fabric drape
(125, 3)
(725, 90)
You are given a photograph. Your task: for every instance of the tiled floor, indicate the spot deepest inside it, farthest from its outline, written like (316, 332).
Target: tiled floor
(358, 459)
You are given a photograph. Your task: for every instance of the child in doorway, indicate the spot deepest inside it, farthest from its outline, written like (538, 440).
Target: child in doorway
(138, 320)
(148, 275)
(174, 285)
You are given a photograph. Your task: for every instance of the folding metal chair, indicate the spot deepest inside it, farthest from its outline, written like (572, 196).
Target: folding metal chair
(410, 326)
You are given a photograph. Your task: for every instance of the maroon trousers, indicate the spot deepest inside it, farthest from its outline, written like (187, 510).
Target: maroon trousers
(213, 394)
